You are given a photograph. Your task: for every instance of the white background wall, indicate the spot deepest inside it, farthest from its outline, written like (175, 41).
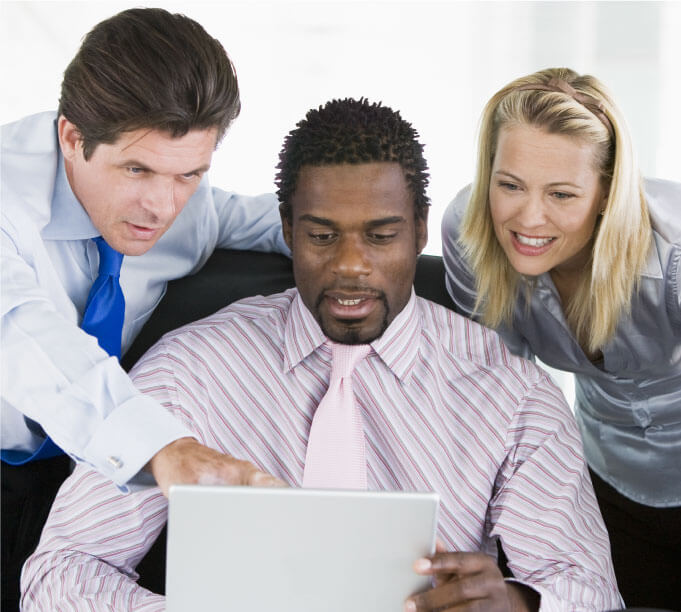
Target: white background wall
(437, 62)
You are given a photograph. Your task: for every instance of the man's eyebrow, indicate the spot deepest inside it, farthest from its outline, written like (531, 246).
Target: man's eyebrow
(385, 221)
(369, 225)
(199, 170)
(317, 220)
(133, 163)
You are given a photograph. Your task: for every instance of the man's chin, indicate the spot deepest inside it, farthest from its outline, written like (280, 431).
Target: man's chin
(134, 247)
(350, 337)
(353, 330)
(351, 334)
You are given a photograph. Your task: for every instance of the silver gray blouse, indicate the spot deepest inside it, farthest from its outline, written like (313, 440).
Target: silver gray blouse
(629, 408)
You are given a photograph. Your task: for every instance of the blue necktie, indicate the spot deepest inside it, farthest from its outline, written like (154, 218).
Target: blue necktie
(105, 307)
(103, 318)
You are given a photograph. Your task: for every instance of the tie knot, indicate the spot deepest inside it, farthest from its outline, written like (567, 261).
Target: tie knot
(345, 357)
(110, 260)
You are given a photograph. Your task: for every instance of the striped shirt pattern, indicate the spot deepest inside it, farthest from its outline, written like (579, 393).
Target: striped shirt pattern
(446, 408)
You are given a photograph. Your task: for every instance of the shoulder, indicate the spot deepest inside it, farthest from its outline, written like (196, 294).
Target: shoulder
(453, 215)
(31, 134)
(470, 342)
(248, 320)
(451, 227)
(460, 281)
(664, 203)
(28, 168)
(474, 361)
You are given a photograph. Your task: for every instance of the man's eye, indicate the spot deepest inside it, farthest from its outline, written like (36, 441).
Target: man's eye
(190, 175)
(135, 170)
(321, 237)
(382, 237)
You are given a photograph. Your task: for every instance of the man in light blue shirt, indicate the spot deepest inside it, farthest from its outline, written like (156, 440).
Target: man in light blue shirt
(143, 105)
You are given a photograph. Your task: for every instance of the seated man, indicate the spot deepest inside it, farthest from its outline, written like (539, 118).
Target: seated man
(439, 403)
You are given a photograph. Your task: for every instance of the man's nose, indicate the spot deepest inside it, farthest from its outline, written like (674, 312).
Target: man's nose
(351, 259)
(159, 199)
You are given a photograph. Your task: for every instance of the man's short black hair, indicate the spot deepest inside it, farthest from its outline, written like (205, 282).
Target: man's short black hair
(352, 132)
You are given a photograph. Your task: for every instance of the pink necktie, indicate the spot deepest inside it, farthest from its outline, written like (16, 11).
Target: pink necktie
(335, 456)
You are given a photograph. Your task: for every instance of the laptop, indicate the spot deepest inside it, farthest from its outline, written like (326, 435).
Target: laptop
(246, 549)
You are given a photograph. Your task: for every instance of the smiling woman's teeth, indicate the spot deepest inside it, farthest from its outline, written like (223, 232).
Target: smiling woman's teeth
(348, 302)
(535, 242)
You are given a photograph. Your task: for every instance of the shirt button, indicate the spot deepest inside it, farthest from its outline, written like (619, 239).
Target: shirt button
(116, 462)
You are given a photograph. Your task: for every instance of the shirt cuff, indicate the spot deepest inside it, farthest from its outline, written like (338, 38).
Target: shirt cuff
(130, 436)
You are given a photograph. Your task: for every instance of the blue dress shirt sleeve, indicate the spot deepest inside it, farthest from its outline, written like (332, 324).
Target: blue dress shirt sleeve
(53, 373)
(57, 375)
(249, 222)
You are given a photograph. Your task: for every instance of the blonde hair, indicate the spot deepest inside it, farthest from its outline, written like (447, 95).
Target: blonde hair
(622, 236)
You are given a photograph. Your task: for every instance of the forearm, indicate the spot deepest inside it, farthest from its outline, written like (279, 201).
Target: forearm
(57, 375)
(82, 399)
(96, 590)
(92, 541)
(546, 514)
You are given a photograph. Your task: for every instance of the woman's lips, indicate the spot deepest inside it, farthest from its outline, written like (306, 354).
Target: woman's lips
(531, 245)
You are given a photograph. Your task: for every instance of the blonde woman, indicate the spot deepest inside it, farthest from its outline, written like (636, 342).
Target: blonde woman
(560, 246)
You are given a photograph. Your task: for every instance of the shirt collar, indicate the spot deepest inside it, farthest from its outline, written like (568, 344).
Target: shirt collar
(302, 334)
(68, 219)
(398, 347)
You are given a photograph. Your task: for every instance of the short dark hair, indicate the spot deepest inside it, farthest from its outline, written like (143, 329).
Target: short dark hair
(352, 132)
(148, 68)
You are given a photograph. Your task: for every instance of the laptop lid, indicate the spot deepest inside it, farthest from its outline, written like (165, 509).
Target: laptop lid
(295, 550)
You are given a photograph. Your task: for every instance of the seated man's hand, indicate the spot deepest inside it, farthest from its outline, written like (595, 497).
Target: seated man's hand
(186, 461)
(468, 581)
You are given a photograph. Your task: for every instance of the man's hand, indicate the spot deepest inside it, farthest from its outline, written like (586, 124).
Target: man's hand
(186, 461)
(468, 581)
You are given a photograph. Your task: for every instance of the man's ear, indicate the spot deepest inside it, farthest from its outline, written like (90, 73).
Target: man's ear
(70, 140)
(286, 228)
(421, 231)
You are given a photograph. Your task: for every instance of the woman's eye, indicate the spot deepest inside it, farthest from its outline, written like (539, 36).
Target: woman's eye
(508, 186)
(562, 195)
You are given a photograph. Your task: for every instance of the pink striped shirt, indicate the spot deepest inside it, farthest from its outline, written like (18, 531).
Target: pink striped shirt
(446, 408)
